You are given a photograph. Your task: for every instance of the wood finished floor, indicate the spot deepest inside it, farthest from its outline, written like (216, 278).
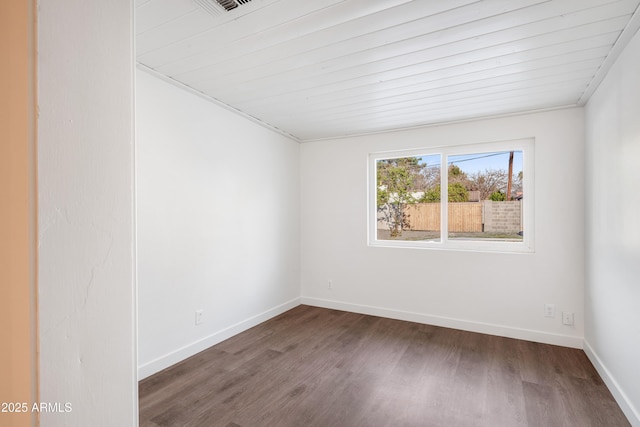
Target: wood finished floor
(318, 367)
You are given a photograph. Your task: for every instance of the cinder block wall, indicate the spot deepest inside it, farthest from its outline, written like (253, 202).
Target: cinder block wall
(502, 217)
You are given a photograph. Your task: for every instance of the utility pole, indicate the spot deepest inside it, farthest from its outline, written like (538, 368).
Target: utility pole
(510, 180)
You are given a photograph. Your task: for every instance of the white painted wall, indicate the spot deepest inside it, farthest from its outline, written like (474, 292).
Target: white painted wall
(495, 293)
(612, 296)
(85, 213)
(218, 222)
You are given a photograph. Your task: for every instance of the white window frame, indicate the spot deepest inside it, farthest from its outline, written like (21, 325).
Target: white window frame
(525, 145)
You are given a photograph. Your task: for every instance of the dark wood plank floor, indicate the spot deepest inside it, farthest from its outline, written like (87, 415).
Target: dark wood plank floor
(318, 367)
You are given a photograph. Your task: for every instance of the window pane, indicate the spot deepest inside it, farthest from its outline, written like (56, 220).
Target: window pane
(485, 196)
(408, 198)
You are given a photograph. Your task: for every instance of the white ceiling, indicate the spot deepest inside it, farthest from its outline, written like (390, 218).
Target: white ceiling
(324, 68)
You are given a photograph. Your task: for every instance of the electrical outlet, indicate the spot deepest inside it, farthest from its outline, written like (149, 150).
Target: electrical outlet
(549, 310)
(329, 284)
(567, 318)
(199, 314)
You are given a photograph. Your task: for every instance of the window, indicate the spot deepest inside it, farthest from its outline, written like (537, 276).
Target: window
(488, 189)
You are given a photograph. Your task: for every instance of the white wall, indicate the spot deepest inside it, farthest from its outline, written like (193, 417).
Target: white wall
(495, 293)
(218, 222)
(612, 297)
(85, 213)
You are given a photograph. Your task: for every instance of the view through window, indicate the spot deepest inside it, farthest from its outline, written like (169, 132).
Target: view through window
(484, 190)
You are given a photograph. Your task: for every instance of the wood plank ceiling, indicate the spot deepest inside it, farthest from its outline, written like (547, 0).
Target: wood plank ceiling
(319, 69)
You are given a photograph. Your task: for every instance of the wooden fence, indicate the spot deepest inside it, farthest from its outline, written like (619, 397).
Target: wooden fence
(463, 217)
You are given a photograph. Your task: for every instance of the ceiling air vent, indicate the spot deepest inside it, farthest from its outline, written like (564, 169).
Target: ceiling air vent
(228, 4)
(218, 7)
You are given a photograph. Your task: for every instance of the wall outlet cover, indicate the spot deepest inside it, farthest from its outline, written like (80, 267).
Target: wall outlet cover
(567, 318)
(549, 310)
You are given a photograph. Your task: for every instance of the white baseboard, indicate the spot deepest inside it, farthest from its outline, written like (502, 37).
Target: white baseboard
(632, 413)
(465, 325)
(189, 350)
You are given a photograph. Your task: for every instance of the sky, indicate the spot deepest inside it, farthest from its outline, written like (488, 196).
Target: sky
(471, 163)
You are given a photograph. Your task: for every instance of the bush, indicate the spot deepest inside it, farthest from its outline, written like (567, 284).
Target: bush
(498, 196)
(457, 193)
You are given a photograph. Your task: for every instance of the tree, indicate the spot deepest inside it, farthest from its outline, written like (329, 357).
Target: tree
(455, 172)
(488, 182)
(517, 183)
(457, 175)
(456, 193)
(396, 183)
(430, 177)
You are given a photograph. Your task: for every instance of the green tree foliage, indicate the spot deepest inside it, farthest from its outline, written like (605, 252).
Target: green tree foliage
(498, 196)
(432, 195)
(455, 172)
(457, 193)
(457, 175)
(396, 182)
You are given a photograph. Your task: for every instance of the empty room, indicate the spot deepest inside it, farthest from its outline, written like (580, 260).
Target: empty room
(329, 213)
